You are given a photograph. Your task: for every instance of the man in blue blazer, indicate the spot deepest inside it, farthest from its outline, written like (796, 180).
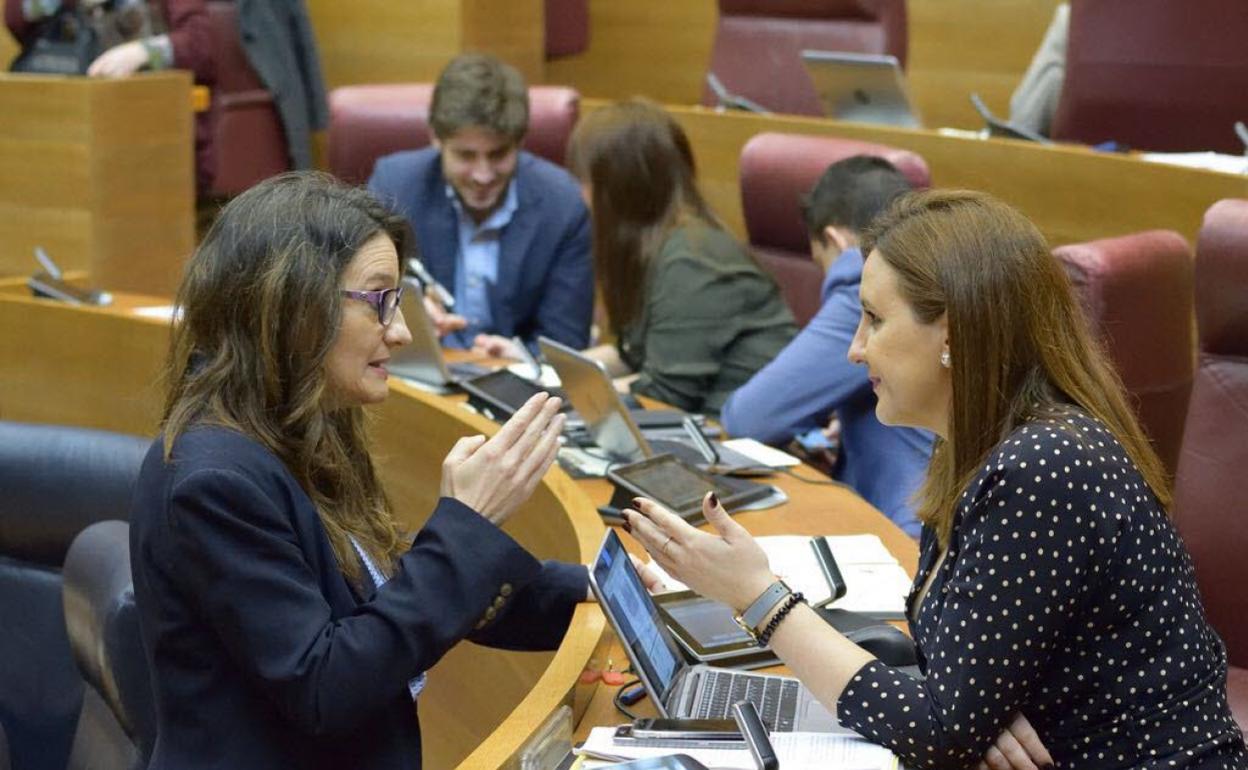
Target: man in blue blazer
(506, 232)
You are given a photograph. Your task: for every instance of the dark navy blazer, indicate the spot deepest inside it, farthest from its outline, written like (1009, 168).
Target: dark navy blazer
(263, 655)
(545, 271)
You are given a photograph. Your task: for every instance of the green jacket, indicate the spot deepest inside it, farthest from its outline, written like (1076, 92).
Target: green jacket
(711, 319)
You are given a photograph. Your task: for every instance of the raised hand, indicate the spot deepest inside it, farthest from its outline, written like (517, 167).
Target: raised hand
(493, 477)
(728, 566)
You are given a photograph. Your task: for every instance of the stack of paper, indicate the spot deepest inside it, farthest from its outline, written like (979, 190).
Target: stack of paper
(876, 582)
(796, 751)
(876, 585)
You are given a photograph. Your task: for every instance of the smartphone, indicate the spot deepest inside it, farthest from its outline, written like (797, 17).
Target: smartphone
(699, 729)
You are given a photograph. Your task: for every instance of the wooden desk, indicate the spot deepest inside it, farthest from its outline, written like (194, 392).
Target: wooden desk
(100, 368)
(1072, 193)
(100, 173)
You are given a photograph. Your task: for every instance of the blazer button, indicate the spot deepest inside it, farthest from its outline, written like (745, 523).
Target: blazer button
(480, 624)
(490, 612)
(505, 590)
(499, 602)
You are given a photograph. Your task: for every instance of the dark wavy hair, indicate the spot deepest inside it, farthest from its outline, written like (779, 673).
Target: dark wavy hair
(1020, 344)
(260, 310)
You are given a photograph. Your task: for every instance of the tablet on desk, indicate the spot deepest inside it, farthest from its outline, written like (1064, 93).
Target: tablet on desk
(706, 632)
(680, 487)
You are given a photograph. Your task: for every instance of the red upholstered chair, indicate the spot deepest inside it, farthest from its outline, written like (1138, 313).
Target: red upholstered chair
(758, 45)
(367, 122)
(1156, 74)
(1137, 291)
(776, 171)
(248, 143)
(567, 27)
(1209, 506)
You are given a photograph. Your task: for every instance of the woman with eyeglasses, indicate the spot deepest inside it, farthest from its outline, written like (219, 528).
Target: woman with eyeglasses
(287, 619)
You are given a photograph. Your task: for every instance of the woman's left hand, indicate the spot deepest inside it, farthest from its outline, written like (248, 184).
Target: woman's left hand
(119, 61)
(729, 567)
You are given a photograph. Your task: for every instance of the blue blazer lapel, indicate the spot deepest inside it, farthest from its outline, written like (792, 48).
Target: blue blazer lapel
(439, 229)
(514, 246)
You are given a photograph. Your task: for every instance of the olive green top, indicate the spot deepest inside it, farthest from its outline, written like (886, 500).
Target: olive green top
(711, 319)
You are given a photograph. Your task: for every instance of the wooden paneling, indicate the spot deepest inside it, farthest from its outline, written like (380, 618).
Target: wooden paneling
(1073, 194)
(381, 41)
(654, 48)
(661, 49)
(100, 173)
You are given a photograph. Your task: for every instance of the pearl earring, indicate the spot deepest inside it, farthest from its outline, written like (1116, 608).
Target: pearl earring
(945, 360)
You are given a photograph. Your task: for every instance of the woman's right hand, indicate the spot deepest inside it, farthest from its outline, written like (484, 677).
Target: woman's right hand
(1018, 747)
(494, 477)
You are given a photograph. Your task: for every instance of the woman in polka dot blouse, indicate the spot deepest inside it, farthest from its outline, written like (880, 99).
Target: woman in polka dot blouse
(1055, 610)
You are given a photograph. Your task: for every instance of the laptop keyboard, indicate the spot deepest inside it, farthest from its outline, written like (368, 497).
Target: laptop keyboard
(775, 699)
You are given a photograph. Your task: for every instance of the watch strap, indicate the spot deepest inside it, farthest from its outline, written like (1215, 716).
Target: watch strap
(752, 617)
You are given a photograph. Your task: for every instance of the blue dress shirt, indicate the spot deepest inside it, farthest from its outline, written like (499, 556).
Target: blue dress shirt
(813, 377)
(476, 272)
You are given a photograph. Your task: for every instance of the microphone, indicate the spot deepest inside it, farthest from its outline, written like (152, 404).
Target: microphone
(417, 268)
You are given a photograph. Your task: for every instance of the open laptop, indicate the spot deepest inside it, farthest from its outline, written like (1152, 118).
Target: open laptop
(622, 432)
(864, 88)
(422, 359)
(680, 690)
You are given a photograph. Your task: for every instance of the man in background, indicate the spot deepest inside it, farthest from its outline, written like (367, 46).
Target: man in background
(504, 231)
(811, 382)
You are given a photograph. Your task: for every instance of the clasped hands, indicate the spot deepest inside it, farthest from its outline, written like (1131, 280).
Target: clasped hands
(730, 567)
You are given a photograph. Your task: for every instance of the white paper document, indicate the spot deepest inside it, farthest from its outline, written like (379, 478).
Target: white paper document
(876, 584)
(796, 751)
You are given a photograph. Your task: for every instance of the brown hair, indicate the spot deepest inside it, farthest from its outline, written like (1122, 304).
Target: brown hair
(1020, 344)
(639, 163)
(477, 89)
(260, 310)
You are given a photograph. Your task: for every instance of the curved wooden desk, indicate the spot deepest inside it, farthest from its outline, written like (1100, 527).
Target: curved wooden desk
(100, 368)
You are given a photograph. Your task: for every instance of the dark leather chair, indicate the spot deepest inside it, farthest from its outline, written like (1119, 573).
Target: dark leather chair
(1209, 505)
(367, 122)
(1155, 74)
(776, 170)
(117, 727)
(567, 28)
(248, 143)
(758, 45)
(56, 482)
(1137, 291)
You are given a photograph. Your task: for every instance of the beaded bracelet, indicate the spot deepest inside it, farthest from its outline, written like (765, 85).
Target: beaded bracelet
(794, 599)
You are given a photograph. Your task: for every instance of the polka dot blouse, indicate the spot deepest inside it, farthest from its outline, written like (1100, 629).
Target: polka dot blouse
(1066, 594)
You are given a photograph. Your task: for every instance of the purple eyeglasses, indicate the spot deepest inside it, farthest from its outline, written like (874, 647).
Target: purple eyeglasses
(384, 301)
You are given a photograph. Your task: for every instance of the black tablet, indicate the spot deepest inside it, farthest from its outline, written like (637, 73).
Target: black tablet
(500, 393)
(706, 632)
(680, 486)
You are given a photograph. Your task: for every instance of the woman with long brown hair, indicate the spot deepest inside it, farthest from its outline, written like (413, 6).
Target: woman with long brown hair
(1055, 609)
(693, 315)
(287, 619)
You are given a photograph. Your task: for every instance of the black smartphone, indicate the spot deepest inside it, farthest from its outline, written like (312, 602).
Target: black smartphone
(699, 729)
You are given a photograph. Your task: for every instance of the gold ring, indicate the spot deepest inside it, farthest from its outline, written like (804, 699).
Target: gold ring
(666, 543)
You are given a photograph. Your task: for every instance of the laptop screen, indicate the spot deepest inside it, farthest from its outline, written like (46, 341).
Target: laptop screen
(590, 390)
(636, 619)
